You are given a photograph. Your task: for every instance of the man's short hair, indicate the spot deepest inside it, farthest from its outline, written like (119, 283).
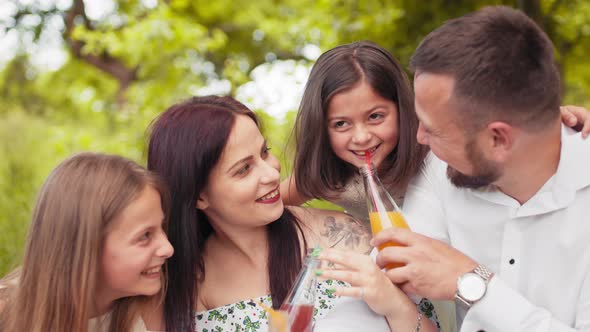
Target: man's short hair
(503, 65)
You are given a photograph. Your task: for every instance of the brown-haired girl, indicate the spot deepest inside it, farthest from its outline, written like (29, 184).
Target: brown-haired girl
(358, 98)
(95, 249)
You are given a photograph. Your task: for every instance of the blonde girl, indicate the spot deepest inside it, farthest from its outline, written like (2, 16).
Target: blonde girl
(95, 249)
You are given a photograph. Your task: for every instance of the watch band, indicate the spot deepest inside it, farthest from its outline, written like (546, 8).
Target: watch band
(485, 274)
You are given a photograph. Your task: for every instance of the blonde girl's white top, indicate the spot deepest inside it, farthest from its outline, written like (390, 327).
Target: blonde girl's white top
(101, 324)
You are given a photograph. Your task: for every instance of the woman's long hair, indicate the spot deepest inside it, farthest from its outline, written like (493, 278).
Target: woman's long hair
(186, 142)
(54, 289)
(318, 172)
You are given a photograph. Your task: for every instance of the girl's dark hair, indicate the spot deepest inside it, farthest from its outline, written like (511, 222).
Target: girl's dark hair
(318, 171)
(185, 144)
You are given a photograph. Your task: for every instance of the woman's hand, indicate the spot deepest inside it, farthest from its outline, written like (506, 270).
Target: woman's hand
(370, 284)
(576, 117)
(366, 280)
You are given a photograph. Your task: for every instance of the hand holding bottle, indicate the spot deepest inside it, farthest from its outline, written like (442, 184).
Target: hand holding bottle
(367, 282)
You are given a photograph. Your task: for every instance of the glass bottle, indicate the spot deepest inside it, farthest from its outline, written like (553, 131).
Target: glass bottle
(300, 300)
(383, 211)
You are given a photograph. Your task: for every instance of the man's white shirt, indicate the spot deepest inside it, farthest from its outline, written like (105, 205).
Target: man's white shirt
(539, 251)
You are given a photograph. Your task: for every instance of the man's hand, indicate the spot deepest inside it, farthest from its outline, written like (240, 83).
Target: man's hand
(431, 267)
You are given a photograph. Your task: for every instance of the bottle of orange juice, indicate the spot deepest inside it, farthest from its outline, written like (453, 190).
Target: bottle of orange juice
(383, 211)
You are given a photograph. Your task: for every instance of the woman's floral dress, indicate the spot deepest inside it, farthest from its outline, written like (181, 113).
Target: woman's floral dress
(248, 316)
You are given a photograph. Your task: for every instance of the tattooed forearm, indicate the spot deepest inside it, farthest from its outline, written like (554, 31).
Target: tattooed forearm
(346, 233)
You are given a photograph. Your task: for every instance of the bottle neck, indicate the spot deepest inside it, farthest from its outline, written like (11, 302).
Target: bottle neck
(378, 198)
(310, 263)
(303, 290)
(368, 171)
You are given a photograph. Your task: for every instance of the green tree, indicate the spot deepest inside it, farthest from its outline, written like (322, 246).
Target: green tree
(120, 70)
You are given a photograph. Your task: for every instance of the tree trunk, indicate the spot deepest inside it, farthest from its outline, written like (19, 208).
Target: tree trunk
(105, 62)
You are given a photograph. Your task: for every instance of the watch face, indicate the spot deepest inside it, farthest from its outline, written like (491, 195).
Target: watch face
(471, 287)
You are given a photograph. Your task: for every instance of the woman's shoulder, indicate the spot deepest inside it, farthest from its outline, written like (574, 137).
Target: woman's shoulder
(333, 229)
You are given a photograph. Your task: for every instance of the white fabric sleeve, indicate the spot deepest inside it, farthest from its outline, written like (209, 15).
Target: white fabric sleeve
(504, 309)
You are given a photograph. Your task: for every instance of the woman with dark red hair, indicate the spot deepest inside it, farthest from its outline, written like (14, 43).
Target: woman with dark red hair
(236, 243)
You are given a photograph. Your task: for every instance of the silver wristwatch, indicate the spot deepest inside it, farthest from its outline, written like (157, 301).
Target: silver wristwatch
(472, 286)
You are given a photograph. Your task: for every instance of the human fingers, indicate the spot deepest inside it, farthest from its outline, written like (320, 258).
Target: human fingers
(578, 118)
(567, 116)
(354, 278)
(358, 292)
(345, 259)
(408, 288)
(582, 119)
(394, 234)
(394, 254)
(399, 275)
(586, 128)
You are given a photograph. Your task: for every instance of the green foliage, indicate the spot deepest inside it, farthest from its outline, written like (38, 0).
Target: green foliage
(179, 47)
(31, 147)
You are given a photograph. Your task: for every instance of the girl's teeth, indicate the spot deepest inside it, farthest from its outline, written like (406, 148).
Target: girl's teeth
(362, 153)
(154, 270)
(271, 195)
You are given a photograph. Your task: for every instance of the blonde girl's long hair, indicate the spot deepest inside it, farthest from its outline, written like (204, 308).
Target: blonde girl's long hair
(54, 289)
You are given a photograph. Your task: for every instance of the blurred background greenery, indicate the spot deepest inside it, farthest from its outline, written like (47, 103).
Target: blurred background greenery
(90, 75)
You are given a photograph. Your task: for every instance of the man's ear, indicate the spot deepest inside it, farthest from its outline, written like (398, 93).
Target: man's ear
(202, 202)
(501, 138)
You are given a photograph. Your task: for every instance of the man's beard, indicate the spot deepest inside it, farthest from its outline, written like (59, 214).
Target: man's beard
(485, 171)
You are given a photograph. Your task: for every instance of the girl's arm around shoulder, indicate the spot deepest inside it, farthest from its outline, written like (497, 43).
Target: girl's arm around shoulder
(333, 229)
(289, 192)
(576, 117)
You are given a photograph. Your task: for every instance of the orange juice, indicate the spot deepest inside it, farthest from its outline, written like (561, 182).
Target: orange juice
(395, 220)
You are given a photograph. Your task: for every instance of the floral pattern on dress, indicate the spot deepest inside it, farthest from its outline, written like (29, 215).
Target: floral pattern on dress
(248, 316)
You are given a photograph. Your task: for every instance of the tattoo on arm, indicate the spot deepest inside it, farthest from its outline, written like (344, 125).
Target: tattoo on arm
(348, 234)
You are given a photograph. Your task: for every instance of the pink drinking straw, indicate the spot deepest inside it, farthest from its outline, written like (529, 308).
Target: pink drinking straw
(371, 184)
